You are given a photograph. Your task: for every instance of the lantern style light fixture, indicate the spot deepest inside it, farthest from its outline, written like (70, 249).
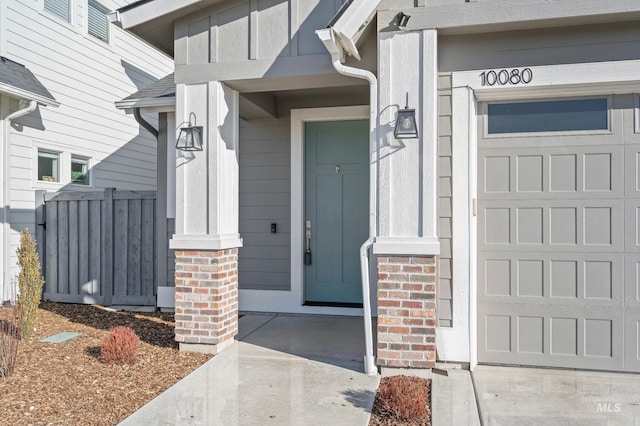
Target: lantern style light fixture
(406, 126)
(190, 137)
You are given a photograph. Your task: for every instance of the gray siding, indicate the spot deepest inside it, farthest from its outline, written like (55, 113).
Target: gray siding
(254, 30)
(539, 47)
(444, 202)
(265, 198)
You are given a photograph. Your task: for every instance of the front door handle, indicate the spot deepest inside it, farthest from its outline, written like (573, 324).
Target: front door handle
(307, 252)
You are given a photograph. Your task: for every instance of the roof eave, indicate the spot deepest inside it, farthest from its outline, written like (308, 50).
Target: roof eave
(16, 92)
(165, 104)
(137, 14)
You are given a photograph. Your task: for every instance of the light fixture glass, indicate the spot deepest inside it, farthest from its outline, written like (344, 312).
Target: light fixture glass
(190, 137)
(406, 126)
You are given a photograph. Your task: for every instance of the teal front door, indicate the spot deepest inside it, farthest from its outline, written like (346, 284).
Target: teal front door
(336, 210)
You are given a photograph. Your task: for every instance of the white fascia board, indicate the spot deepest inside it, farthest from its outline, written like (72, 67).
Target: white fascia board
(352, 23)
(503, 15)
(148, 11)
(16, 92)
(158, 105)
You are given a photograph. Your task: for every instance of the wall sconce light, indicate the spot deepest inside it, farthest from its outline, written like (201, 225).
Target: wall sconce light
(190, 137)
(406, 123)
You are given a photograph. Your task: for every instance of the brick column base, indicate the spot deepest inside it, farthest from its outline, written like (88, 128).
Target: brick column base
(406, 312)
(206, 310)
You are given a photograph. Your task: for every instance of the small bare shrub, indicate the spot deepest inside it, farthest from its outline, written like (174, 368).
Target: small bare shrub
(10, 330)
(120, 346)
(30, 282)
(404, 398)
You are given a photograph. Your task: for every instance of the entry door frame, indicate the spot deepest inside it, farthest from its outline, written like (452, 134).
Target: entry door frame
(298, 119)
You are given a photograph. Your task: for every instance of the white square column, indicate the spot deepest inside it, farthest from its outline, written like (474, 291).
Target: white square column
(408, 175)
(207, 182)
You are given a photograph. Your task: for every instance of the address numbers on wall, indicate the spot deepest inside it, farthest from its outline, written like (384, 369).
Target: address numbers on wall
(505, 77)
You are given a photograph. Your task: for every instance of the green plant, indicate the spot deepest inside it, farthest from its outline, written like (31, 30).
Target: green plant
(404, 398)
(10, 326)
(120, 346)
(78, 177)
(30, 282)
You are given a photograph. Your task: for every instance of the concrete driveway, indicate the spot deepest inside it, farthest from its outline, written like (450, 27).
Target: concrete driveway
(535, 396)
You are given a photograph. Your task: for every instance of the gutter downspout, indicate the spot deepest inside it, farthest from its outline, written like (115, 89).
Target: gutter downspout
(144, 123)
(327, 37)
(5, 194)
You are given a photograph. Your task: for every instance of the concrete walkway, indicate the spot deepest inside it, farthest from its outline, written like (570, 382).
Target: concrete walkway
(285, 370)
(307, 370)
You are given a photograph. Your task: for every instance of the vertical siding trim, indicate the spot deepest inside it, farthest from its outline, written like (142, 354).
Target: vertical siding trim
(253, 30)
(293, 23)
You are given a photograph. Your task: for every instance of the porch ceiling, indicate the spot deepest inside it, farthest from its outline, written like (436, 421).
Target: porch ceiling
(293, 82)
(278, 103)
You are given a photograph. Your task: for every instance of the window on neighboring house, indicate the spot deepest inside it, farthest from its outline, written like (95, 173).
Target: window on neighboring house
(97, 21)
(59, 8)
(80, 170)
(48, 166)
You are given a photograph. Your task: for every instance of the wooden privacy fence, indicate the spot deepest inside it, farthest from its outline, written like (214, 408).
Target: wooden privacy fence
(98, 247)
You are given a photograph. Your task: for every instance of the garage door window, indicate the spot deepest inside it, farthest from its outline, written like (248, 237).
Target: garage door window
(548, 116)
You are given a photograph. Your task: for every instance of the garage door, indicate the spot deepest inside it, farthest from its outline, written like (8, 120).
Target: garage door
(558, 235)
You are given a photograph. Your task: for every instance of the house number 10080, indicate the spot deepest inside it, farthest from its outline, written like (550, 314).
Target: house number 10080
(504, 77)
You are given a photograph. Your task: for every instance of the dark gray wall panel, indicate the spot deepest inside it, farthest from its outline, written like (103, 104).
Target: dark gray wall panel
(264, 261)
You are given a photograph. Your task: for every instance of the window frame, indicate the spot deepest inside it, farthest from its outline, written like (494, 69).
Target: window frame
(87, 164)
(49, 153)
(65, 161)
(485, 118)
(52, 14)
(99, 6)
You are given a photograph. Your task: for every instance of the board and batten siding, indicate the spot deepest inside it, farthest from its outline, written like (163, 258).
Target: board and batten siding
(445, 185)
(265, 198)
(86, 76)
(254, 30)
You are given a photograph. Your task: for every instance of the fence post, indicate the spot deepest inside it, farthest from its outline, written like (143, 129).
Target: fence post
(41, 234)
(107, 246)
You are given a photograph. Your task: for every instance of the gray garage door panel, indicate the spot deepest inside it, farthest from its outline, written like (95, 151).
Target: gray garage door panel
(559, 247)
(543, 280)
(632, 313)
(561, 336)
(551, 225)
(557, 173)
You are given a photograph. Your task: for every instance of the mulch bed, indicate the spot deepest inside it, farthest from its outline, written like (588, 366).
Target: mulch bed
(65, 383)
(381, 418)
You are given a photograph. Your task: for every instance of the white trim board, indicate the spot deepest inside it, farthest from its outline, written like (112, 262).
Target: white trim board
(292, 301)
(593, 78)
